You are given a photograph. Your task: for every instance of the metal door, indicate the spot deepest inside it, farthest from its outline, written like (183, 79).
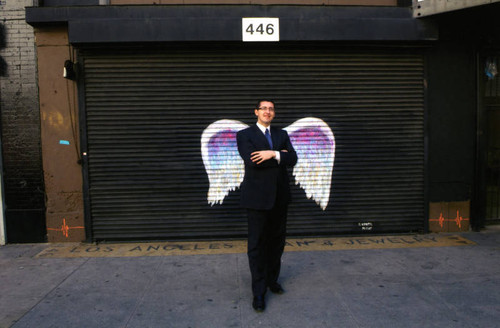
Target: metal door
(147, 108)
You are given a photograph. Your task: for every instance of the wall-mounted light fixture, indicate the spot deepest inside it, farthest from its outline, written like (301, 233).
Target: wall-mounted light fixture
(70, 70)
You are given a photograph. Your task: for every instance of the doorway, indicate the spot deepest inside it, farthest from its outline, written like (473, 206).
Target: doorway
(489, 143)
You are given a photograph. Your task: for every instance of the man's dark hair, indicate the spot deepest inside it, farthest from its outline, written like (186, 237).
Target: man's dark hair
(260, 101)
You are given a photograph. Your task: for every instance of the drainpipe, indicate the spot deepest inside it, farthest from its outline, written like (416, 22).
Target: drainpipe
(3, 71)
(2, 216)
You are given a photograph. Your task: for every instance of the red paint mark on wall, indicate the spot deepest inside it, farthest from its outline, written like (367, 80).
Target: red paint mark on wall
(64, 228)
(458, 220)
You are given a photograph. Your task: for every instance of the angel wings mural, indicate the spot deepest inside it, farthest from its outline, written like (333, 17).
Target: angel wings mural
(311, 137)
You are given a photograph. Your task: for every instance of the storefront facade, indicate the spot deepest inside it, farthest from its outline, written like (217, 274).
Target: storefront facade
(152, 84)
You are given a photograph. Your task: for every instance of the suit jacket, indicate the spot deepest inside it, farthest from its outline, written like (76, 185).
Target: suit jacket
(266, 183)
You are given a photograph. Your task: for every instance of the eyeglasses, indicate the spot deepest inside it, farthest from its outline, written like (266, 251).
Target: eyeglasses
(271, 109)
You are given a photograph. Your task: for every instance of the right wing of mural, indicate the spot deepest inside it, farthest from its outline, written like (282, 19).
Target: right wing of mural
(314, 143)
(224, 166)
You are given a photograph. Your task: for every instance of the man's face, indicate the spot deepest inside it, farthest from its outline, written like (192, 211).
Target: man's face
(265, 113)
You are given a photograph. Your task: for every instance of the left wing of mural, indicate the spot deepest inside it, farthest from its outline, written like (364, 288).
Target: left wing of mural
(224, 166)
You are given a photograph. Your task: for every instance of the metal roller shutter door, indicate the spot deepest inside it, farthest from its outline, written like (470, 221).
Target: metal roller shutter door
(146, 109)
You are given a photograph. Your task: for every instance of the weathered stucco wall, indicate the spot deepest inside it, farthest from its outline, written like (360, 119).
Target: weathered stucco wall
(60, 140)
(449, 216)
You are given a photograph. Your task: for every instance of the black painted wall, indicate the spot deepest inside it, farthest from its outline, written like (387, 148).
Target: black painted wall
(451, 121)
(453, 105)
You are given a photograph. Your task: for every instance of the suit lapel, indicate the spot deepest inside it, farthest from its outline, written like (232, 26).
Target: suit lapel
(275, 136)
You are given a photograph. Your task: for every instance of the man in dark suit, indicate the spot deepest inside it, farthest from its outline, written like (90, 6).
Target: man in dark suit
(265, 193)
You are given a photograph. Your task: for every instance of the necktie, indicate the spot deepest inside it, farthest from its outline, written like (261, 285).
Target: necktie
(268, 136)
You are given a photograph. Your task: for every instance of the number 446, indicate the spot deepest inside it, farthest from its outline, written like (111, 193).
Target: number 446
(260, 29)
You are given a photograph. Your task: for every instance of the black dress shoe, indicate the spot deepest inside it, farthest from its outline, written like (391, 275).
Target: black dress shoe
(259, 303)
(276, 289)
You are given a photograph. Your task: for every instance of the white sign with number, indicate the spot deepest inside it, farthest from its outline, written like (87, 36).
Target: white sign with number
(260, 29)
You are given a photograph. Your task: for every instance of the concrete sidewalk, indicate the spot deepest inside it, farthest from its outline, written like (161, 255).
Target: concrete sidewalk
(403, 287)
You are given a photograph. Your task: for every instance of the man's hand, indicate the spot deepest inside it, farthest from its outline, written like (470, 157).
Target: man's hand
(261, 156)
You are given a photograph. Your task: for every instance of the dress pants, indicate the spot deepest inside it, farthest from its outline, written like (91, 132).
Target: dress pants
(266, 241)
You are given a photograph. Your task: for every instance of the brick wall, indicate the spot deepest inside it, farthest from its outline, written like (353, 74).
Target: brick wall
(20, 124)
